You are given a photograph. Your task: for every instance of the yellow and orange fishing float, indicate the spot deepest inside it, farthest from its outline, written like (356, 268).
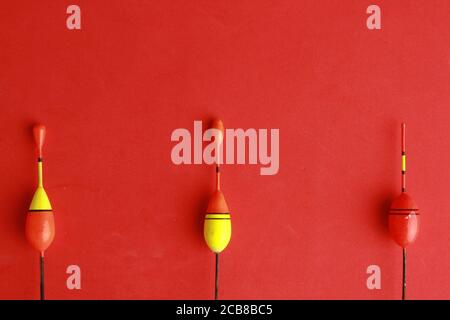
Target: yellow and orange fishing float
(217, 225)
(40, 224)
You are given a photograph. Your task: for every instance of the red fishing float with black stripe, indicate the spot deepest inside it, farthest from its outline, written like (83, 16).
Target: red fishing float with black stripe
(404, 214)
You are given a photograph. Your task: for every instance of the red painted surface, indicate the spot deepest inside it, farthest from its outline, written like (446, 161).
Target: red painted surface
(111, 94)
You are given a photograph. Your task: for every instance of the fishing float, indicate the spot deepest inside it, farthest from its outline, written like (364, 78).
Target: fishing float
(40, 224)
(217, 224)
(403, 215)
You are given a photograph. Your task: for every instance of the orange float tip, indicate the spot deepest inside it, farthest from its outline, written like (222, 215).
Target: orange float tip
(218, 124)
(39, 137)
(403, 131)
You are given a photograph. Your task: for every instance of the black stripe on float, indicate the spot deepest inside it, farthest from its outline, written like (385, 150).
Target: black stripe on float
(39, 159)
(218, 218)
(39, 210)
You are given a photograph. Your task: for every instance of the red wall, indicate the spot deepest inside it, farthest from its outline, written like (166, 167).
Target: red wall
(111, 93)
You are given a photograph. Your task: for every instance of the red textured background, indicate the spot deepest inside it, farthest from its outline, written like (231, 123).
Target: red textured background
(111, 94)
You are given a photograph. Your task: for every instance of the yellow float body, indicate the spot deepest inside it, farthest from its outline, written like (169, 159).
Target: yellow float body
(217, 226)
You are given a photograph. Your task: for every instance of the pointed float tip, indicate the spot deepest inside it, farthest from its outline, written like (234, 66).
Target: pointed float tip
(218, 124)
(403, 135)
(39, 137)
(403, 126)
